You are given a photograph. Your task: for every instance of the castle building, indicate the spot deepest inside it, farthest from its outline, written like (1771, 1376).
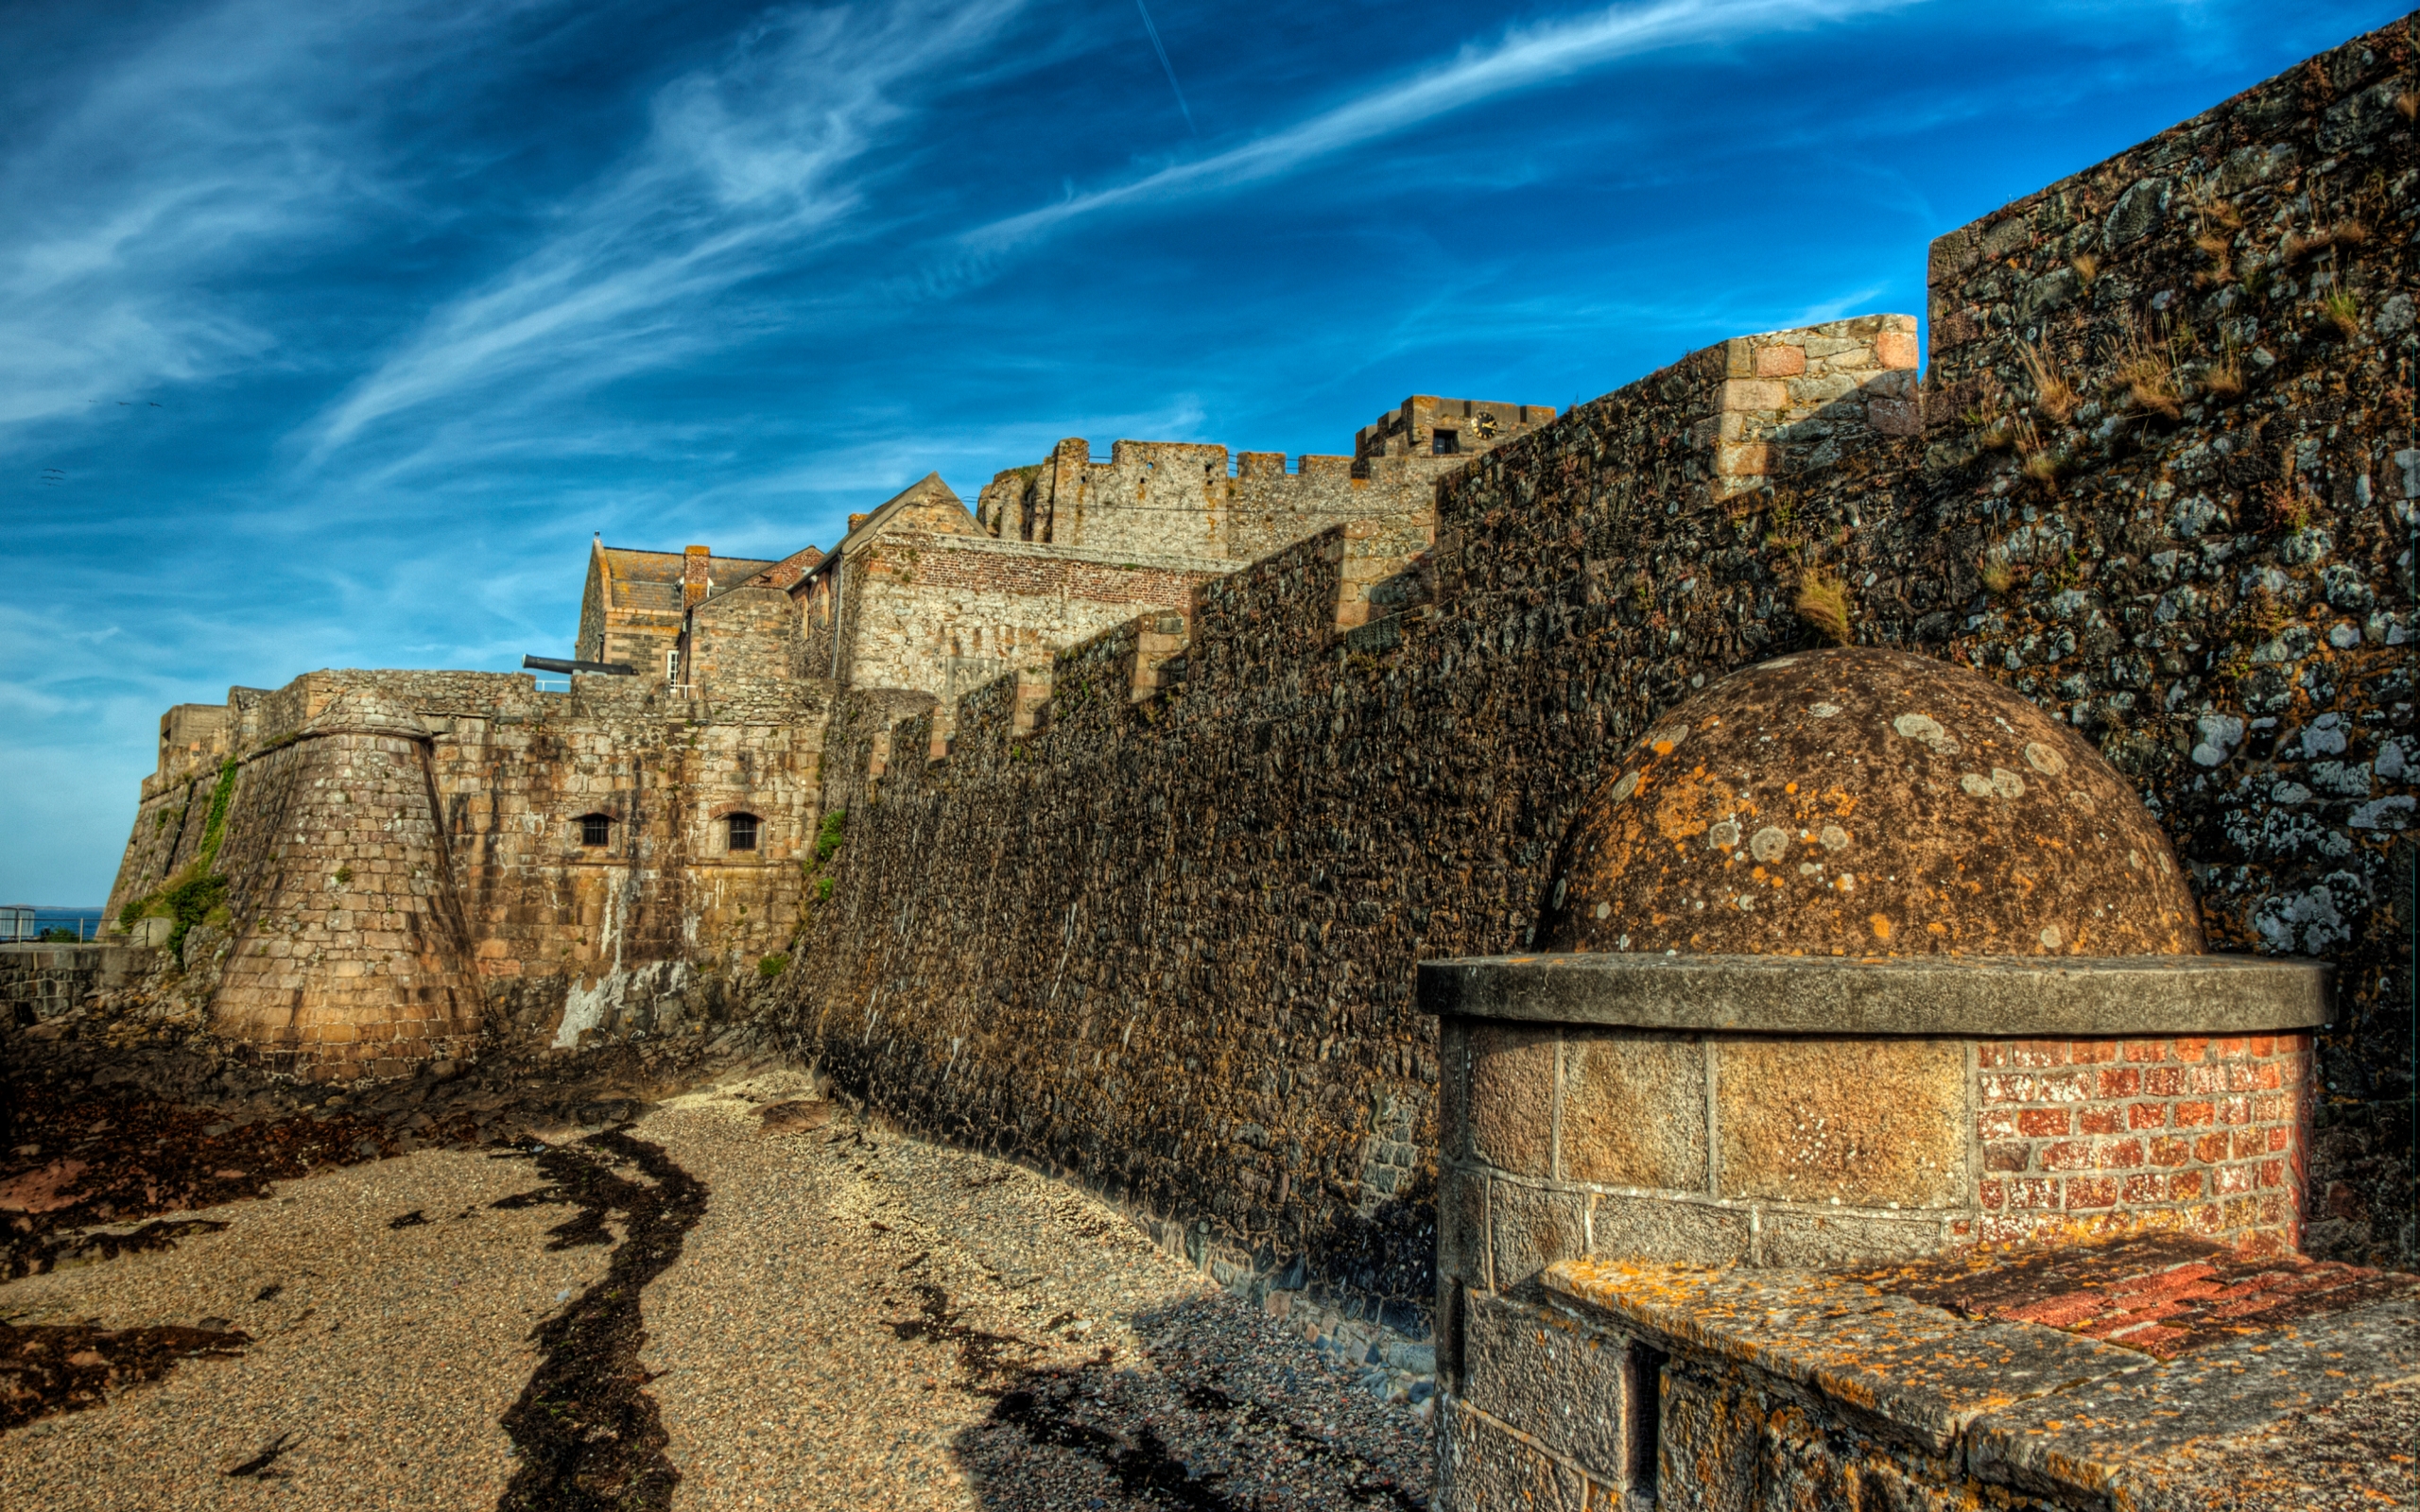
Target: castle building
(611, 856)
(635, 604)
(1774, 989)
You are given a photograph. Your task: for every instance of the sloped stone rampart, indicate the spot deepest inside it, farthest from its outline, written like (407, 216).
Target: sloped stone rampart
(1167, 945)
(352, 949)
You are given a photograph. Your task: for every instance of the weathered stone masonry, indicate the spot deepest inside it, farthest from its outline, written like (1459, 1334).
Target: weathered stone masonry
(404, 864)
(1166, 944)
(1151, 916)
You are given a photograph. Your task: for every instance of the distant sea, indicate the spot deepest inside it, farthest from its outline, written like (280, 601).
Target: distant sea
(85, 921)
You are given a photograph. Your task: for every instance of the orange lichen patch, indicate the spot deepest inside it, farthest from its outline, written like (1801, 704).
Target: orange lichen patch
(1963, 791)
(1911, 1363)
(2161, 1293)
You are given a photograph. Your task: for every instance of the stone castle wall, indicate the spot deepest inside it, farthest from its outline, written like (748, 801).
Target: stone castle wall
(457, 870)
(1169, 497)
(950, 613)
(2161, 488)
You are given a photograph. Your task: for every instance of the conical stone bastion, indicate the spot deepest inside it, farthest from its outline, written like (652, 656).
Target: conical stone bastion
(354, 953)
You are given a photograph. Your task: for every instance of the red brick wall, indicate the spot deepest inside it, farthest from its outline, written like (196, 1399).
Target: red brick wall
(2205, 1135)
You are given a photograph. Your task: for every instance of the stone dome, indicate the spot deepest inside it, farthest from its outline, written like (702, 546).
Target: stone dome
(1867, 802)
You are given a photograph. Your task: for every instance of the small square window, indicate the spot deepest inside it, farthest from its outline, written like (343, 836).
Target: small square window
(743, 831)
(1446, 443)
(596, 829)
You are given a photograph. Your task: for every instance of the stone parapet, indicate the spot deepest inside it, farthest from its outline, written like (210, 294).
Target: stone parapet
(2015, 1383)
(39, 983)
(1727, 1119)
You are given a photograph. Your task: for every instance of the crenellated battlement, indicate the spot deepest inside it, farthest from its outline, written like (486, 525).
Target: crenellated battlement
(1186, 498)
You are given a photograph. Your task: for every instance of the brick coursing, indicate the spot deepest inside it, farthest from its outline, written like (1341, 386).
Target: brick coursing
(2208, 1134)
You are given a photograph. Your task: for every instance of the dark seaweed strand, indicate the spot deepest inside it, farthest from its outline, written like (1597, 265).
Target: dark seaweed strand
(589, 1435)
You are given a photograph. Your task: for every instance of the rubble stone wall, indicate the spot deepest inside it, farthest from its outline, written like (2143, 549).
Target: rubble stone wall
(1167, 945)
(1162, 497)
(2216, 582)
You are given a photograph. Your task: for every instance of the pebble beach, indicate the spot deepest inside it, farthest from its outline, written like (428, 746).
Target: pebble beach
(833, 1314)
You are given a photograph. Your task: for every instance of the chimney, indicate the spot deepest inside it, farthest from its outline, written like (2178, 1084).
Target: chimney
(693, 581)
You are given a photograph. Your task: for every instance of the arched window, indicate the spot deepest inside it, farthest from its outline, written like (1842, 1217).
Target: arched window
(596, 829)
(743, 831)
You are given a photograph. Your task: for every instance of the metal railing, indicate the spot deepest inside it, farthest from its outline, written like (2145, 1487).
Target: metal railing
(30, 923)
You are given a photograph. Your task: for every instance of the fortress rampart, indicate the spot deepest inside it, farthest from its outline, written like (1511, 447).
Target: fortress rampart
(2159, 482)
(394, 886)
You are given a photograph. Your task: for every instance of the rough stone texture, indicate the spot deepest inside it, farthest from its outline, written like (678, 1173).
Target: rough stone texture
(946, 614)
(1562, 1382)
(2220, 600)
(417, 888)
(1659, 1228)
(1868, 1123)
(1167, 945)
(1425, 426)
(1839, 1150)
(39, 983)
(1861, 801)
(349, 947)
(1633, 1111)
(2165, 1294)
(633, 607)
(1795, 1388)
(1482, 1464)
(1511, 1097)
(1530, 1228)
(1181, 499)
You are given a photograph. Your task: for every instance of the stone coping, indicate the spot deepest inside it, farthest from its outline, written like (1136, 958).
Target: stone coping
(2030, 1406)
(1983, 996)
(84, 953)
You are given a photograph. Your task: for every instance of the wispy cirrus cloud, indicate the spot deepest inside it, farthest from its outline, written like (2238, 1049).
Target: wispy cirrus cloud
(1524, 58)
(746, 165)
(220, 141)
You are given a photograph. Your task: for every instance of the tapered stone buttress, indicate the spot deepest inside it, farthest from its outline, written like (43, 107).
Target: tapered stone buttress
(353, 956)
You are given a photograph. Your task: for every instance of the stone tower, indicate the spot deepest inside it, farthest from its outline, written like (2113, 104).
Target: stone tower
(352, 955)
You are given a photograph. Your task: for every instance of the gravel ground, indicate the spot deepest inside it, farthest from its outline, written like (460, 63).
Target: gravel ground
(384, 1358)
(865, 1320)
(856, 1319)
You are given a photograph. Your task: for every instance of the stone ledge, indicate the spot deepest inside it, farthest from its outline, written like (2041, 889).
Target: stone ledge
(2037, 1410)
(1995, 996)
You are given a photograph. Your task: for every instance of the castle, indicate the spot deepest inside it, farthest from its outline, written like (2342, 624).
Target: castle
(1107, 825)
(611, 856)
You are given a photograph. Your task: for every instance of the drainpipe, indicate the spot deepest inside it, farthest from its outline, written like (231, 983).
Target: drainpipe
(839, 584)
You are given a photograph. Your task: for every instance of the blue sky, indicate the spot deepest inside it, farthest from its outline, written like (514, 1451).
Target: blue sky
(331, 329)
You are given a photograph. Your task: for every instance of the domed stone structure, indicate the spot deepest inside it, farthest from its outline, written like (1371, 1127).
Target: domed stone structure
(1858, 957)
(1868, 802)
